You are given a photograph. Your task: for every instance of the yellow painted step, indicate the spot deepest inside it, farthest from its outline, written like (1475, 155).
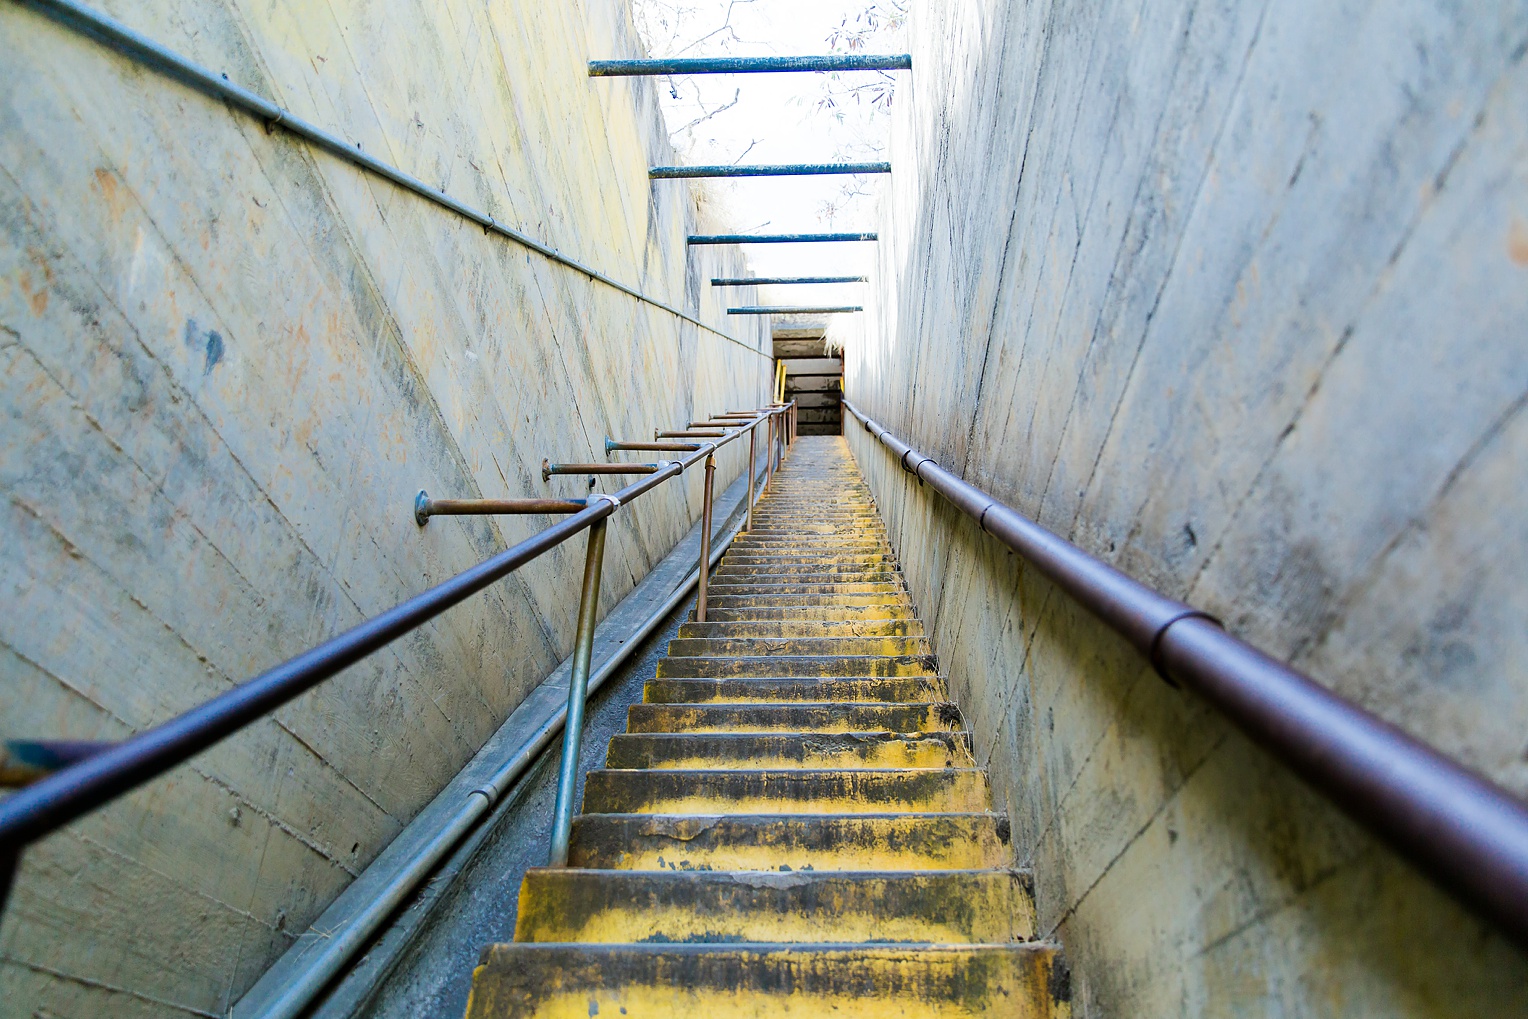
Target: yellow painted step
(786, 791)
(771, 842)
(814, 613)
(785, 629)
(580, 981)
(691, 647)
(827, 717)
(810, 601)
(790, 750)
(612, 906)
(808, 690)
(800, 665)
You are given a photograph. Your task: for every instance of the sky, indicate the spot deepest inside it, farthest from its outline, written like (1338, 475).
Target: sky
(782, 118)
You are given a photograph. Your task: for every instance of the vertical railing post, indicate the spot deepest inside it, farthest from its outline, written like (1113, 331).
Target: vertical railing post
(769, 453)
(705, 543)
(578, 690)
(753, 434)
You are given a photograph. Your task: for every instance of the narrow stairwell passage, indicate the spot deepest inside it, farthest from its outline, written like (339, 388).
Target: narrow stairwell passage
(793, 823)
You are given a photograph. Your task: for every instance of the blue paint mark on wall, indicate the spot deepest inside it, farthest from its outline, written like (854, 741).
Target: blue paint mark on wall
(211, 341)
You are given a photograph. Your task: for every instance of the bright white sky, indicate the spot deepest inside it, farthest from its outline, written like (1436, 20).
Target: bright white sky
(779, 118)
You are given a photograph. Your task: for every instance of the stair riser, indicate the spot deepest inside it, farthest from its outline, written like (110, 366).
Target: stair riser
(772, 843)
(880, 689)
(794, 718)
(790, 750)
(809, 629)
(692, 647)
(792, 791)
(820, 613)
(804, 666)
(562, 982)
(989, 907)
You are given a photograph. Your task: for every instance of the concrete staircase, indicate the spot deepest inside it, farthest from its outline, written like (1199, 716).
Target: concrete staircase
(793, 823)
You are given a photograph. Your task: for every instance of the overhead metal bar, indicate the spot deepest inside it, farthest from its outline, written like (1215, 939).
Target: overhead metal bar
(750, 65)
(766, 170)
(788, 309)
(136, 46)
(774, 281)
(780, 238)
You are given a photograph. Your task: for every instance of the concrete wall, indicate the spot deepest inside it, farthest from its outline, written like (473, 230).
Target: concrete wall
(1234, 296)
(228, 362)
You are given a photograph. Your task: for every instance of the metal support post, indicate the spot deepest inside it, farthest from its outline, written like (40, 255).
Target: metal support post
(753, 435)
(578, 690)
(705, 543)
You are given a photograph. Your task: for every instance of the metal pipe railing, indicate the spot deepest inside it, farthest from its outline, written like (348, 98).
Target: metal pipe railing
(1460, 829)
(117, 768)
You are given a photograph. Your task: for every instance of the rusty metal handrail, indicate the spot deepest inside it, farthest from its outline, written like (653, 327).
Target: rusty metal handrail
(1460, 828)
(79, 788)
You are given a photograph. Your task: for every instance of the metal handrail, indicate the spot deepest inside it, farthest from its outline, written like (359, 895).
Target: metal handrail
(1461, 829)
(70, 793)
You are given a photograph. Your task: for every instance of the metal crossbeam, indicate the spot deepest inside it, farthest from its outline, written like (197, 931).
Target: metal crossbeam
(779, 238)
(767, 170)
(753, 281)
(751, 65)
(789, 309)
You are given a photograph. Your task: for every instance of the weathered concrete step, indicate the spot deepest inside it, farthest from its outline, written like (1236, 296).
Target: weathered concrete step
(605, 906)
(766, 531)
(785, 629)
(776, 842)
(576, 981)
(790, 750)
(843, 716)
(784, 586)
(748, 543)
(730, 601)
(686, 647)
(734, 690)
(900, 609)
(815, 565)
(786, 791)
(800, 665)
(803, 573)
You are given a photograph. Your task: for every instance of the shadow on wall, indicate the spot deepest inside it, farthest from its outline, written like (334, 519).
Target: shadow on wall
(1230, 298)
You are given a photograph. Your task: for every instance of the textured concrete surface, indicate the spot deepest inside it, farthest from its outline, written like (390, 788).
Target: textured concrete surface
(227, 363)
(1233, 296)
